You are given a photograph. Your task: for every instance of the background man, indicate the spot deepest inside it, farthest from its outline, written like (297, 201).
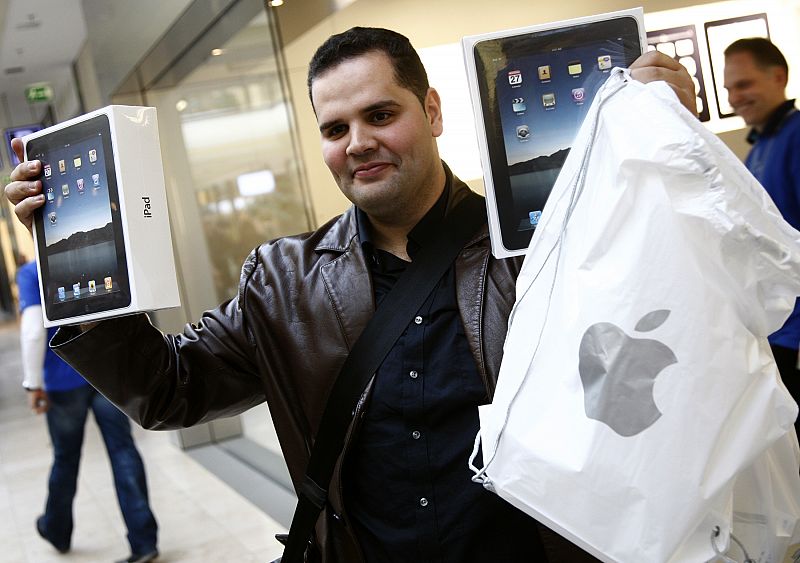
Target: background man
(57, 390)
(401, 491)
(756, 74)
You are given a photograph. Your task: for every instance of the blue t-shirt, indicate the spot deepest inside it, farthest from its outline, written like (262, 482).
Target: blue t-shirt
(775, 162)
(58, 375)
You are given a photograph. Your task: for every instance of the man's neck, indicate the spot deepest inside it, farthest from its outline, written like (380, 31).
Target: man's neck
(772, 116)
(772, 122)
(392, 236)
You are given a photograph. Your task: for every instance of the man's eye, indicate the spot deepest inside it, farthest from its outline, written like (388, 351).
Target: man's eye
(381, 116)
(335, 131)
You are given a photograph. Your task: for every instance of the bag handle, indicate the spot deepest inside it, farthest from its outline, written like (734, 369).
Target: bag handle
(390, 320)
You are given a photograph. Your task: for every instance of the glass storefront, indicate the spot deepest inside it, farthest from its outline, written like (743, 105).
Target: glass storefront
(229, 125)
(234, 180)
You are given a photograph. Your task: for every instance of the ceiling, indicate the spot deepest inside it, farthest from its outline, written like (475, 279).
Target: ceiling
(39, 39)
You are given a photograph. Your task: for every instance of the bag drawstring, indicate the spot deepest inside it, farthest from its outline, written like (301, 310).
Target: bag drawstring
(720, 556)
(578, 182)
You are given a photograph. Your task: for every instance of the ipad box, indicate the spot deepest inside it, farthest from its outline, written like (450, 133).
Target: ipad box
(102, 237)
(530, 89)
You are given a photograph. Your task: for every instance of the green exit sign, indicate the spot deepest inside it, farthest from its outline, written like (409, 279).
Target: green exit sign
(38, 93)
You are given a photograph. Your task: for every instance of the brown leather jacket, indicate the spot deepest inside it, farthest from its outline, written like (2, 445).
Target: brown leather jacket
(302, 303)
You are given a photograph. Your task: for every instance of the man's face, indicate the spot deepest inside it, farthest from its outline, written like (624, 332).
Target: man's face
(377, 140)
(753, 92)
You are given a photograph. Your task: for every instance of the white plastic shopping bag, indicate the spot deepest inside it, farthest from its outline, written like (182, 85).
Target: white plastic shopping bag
(766, 505)
(637, 383)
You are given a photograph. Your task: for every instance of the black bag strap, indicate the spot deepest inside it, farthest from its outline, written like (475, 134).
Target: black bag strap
(387, 324)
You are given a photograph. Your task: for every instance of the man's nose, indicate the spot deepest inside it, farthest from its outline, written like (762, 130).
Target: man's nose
(733, 98)
(361, 141)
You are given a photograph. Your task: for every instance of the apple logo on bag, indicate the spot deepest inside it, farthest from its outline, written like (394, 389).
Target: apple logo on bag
(618, 373)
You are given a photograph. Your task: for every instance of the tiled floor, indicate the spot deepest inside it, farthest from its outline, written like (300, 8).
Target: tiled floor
(201, 519)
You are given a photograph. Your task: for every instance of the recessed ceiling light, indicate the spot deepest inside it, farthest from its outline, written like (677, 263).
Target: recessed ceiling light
(275, 3)
(181, 105)
(217, 52)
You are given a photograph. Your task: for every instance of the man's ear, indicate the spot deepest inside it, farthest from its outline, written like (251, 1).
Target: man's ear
(780, 76)
(433, 109)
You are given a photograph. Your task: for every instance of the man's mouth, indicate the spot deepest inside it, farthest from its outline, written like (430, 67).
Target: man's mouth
(370, 169)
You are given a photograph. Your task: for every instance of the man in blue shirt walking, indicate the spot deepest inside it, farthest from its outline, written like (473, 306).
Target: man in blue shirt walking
(57, 390)
(756, 74)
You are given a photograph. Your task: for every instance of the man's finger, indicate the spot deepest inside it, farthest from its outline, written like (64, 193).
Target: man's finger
(25, 189)
(26, 170)
(18, 146)
(18, 191)
(25, 208)
(656, 59)
(678, 79)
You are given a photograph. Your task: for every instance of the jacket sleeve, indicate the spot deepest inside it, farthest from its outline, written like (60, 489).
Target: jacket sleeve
(165, 381)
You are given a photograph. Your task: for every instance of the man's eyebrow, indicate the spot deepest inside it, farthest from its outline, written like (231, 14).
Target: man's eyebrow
(381, 104)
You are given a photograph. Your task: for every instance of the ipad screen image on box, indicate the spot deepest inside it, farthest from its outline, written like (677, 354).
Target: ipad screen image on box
(79, 231)
(535, 90)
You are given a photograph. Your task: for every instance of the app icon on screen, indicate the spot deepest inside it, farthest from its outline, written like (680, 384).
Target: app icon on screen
(80, 185)
(518, 105)
(515, 77)
(92, 155)
(108, 283)
(76, 161)
(534, 216)
(76, 290)
(47, 171)
(96, 180)
(92, 286)
(578, 95)
(62, 294)
(50, 195)
(65, 190)
(604, 62)
(544, 72)
(574, 68)
(523, 132)
(549, 100)
(62, 166)
(52, 217)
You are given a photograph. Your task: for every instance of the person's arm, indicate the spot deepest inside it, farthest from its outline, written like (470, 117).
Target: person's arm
(167, 381)
(160, 381)
(33, 342)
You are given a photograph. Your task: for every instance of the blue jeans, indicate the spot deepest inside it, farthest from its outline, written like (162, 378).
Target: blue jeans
(65, 421)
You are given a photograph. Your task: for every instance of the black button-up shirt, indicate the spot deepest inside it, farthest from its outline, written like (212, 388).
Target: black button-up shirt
(407, 485)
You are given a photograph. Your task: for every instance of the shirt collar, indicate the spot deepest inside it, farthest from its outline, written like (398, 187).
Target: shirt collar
(422, 231)
(774, 122)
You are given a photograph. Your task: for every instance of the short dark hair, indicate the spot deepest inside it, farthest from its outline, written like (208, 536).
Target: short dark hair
(764, 52)
(408, 69)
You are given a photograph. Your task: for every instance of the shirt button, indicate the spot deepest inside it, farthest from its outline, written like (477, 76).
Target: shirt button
(423, 501)
(418, 320)
(413, 374)
(415, 434)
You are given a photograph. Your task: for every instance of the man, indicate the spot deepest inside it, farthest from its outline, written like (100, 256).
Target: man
(401, 490)
(57, 390)
(756, 74)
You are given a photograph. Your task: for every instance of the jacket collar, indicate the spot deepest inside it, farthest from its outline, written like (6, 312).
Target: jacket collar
(344, 231)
